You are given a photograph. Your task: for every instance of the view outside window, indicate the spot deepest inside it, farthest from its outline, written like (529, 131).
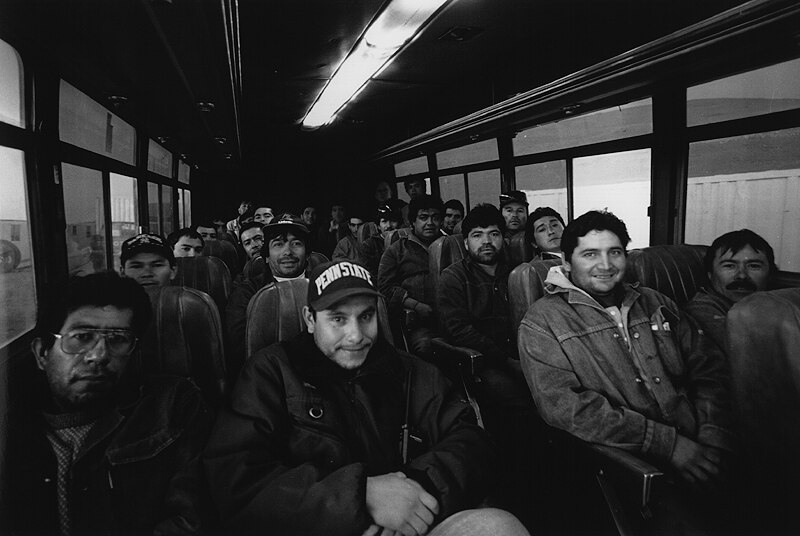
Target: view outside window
(187, 208)
(474, 153)
(484, 187)
(452, 187)
(168, 221)
(17, 283)
(751, 182)
(183, 172)
(624, 121)
(11, 86)
(87, 124)
(411, 167)
(762, 91)
(545, 185)
(153, 210)
(401, 190)
(159, 160)
(619, 183)
(84, 211)
(124, 212)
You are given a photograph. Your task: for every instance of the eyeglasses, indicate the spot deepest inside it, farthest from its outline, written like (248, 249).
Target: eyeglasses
(80, 341)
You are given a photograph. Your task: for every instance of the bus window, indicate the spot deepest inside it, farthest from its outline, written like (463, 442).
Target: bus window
(87, 124)
(751, 182)
(762, 91)
(545, 185)
(452, 187)
(484, 186)
(474, 153)
(167, 210)
(84, 212)
(153, 211)
(184, 207)
(411, 167)
(619, 183)
(17, 284)
(183, 172)
(124, 212)
(159, 160)
(11, 87)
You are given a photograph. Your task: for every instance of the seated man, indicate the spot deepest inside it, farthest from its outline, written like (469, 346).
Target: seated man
(146, 259)
(543, 231)
(619, 365)
(453, 214)
(185, 243)
(285, 254)
(738, 263)
(251, 237)
(372, 248)
(348, 248)
(234, 225)
(404, 275)
(207, 231)
(329, 234)
(514, 207)
(263, 215)
(97, 452)
(317, 437)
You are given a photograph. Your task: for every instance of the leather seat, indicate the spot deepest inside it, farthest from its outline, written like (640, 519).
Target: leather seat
(394, 235)
(370, 228)
(519, 250)
(525, 286)
(674, 270)
(207, 274)
(185, 339)
(224, 250)
(443, 252)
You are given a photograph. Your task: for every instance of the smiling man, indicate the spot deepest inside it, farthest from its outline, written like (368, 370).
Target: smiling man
(148, 260)
(314, 440)
(101, 453)
(738, 264)
(620, 365)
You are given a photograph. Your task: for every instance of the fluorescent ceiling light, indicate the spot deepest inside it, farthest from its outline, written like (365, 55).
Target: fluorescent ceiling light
(393, 28)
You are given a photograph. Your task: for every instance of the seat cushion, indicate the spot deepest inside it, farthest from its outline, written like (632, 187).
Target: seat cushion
(207, 274)
(677, 271)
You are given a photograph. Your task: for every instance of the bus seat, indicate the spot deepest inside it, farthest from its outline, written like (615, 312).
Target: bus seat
(674, 270)
(314, 259)
(763, 335)
(525, 286)
(185, 339)
(275, 314)
(225, 251)
(393, 236)
(370, 228)
(207, 274)
(519, 250)
(443, 252)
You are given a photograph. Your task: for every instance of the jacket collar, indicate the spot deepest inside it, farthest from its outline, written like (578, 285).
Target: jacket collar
(501, 271)
(557, 282)
(414, 238)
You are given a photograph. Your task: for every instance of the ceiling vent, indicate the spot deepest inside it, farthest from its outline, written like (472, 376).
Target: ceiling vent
(460, 33)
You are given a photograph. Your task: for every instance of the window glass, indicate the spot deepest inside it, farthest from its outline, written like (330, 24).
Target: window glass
(167, 210)
(411, 167)
(87, 124)
(403, 195)
(183, 172)
(17, 284)
(625, 121)
(187, 207)
(181, 215)
(750, 182)
(84, 212)
(619, 183)
(12, 87)
(484, 187)
(153, 211)
(452, 187)
(159, 160)
(762, 91)
(474, 153)
(124, 212)
(545, 185)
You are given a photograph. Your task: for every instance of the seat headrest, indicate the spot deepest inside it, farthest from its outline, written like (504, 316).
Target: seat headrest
(519, 250)
(275, 314)
(207, 274)
(443, 252)
(367, 230)
(525, 286)
(676, 271)
(222, 249)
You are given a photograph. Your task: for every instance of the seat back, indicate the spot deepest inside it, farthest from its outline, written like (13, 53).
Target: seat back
(393, 236)
(519, 250)
(224, 250)
(185, 339)
(443, 252)
(207, 274)
(525, 286)
(369, 228)
(674, 270)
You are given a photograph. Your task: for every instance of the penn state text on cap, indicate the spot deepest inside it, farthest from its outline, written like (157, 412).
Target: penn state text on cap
(331, 282)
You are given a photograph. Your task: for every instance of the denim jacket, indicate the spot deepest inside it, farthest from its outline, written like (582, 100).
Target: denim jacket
(709, 309)
(589, 381)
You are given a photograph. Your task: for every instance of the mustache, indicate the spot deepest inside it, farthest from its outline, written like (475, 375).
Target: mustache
(741, 285)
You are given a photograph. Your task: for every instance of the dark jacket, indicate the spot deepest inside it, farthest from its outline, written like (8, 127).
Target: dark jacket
(138, 471)
(371, 252)
(347, 249)
(473, 309)
(293, 454)
(709, 309)
(404, 272)
(236, 321)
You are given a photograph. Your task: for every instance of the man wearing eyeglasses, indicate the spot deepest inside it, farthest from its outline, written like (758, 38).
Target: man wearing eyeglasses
(96, 449)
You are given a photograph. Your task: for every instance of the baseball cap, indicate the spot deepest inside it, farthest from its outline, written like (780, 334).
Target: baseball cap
(285, 222)
(514, 196)
(385, 211)
(145, 243)
(331, 282)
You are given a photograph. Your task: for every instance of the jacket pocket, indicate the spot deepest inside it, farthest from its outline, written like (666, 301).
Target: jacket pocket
(663, 326)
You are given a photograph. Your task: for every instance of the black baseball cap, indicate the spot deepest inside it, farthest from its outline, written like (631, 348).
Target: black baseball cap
(332, 282)
(146, 243)
(286, 222)
(514, 196)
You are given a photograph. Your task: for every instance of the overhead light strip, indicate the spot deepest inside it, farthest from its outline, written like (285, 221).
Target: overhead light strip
(397, 24)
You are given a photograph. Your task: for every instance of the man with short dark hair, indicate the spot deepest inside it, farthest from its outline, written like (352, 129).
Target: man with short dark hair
(348, 248)
(543, 231)
(99, 451)
(316, 440)
(404, 275)
(453, 214)
(620, 365)
(372, 248)
(207, 231)
(737, 263)
(514, 207)
(415, 188)
(263, 215)
(251, 237)
(148, 260)
(186, 242)
(329, 235)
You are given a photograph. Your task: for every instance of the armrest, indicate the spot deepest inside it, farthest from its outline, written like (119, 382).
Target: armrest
(460, 354)
(633, 476)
